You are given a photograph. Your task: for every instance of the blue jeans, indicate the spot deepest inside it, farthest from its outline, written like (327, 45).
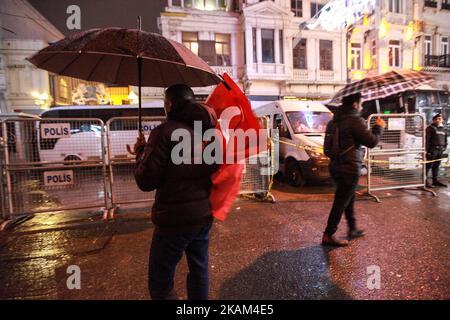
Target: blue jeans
(165, 253)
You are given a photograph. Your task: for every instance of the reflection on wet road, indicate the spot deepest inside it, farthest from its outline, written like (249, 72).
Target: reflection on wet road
(263, 251)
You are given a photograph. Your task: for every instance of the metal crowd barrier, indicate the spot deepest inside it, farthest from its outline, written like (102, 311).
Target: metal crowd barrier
(259, 170)
(120, 133)
(53, 164)
(398, 162)
(50, 165)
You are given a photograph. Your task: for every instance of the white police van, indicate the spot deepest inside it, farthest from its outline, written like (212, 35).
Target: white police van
(81, 140)
(301, 125)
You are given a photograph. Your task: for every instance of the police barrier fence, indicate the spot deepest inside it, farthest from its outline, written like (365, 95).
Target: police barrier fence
(260, 169)
(120, 133)
(398, 162)
(53, 164)
(62, 164)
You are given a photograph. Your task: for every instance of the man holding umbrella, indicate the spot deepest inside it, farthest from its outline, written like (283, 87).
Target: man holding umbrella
(182, 210)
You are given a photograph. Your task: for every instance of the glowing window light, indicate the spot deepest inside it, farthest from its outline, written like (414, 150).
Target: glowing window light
(409, 33)
(384, 28)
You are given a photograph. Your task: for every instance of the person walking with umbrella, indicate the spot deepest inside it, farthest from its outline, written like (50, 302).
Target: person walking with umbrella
(345, 135)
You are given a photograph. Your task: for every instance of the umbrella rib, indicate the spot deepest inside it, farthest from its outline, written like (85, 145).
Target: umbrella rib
(201, 81)
(181, 74)
(118, 69)
(162, 76)
(45, 61)
(95, 67)
(71, 62)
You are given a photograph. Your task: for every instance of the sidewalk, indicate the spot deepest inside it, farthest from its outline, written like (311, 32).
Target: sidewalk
(263, 251)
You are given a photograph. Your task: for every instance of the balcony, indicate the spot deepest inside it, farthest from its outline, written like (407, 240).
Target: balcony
(437, 61)
(300, 75)
(223, 69)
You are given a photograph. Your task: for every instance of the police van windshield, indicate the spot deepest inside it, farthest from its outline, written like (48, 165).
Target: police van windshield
(308, 121)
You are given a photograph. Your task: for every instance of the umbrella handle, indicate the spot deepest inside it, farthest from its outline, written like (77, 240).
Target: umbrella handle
(139, 65)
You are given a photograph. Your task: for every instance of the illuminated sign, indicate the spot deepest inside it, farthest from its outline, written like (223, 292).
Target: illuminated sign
(340, 14)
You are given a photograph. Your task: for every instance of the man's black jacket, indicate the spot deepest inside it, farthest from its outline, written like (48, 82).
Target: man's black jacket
(352, 132)
(436, 138)
(182, 191)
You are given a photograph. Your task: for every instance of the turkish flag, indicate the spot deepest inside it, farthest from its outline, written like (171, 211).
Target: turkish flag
(234, 112)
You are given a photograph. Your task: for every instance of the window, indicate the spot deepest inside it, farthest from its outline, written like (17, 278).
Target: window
(445, 4)
(267, 43)
(223, 51)
(356, 56)
(188, 3)
(308, 121)
(373, 52)
(255, 57)
(215, 53)
(326, 54)
(190, 41)
(281, 47)
(176, 3)
(395, 53)
(396, 6)
(299, 55)
(428, 46)
(444, 46)
(64, 89)
(280, 124)
(315, 8)
(207, 51)
(297, 7)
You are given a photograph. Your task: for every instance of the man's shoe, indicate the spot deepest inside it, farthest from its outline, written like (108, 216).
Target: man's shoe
(356, 233)
(333, 241)
(439, 184)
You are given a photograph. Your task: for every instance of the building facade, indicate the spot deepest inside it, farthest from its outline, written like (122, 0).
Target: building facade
(434, 39)
(24, 31)
(261, 45)
(402, 34)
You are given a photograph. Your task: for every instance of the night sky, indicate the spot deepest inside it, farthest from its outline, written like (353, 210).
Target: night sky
(103, 13)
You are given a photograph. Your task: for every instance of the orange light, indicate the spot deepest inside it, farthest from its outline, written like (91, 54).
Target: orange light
(384, 28)
(409, 32)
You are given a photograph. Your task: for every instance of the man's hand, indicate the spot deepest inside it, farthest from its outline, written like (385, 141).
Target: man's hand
(140, 143)
(380, 122)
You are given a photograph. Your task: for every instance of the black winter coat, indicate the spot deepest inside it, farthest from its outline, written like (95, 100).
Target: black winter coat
(352, 132)
(182, 191)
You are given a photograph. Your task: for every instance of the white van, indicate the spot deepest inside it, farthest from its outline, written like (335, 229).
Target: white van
(302, 126)
(84, 142)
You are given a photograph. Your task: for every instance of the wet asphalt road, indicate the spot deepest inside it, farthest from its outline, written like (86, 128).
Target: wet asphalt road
(263, 251)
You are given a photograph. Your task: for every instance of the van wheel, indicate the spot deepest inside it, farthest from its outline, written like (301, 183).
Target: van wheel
(293, 174)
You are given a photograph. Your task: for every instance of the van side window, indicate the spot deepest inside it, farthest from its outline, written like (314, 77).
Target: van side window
(280, 124)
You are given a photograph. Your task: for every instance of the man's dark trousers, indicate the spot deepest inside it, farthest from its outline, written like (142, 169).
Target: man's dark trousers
(344, 201)
(435, 154)
(165, 253)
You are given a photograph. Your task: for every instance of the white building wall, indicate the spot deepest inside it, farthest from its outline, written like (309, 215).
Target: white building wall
(262, 80)
(437, 25)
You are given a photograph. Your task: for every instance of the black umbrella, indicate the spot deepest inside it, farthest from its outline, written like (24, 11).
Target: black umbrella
(125, 57)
